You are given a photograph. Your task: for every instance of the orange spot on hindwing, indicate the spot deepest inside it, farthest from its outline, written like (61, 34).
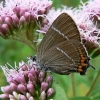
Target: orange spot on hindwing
(83, 62)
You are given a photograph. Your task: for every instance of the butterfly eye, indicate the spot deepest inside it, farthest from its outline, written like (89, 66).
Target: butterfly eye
(33, 58)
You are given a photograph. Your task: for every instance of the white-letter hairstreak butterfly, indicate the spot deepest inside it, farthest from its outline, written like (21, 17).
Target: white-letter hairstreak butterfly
(61, 50)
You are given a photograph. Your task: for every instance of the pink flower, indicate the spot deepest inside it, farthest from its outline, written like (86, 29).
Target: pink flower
(87, 18)
(19, 19)
(22, 20)
(25, 82)
(82, 18)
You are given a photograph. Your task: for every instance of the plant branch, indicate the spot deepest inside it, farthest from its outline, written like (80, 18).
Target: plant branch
(94, 83)
(73, 84)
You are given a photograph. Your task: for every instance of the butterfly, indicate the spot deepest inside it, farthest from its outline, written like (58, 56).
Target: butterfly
(61, 50)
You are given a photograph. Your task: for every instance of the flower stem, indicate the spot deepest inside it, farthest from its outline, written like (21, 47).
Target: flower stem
(73, 84)
(27, 42)
(94, 83)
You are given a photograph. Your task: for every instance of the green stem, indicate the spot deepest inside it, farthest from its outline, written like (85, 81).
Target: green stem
(73, 84)
(27, 42)
(94, 83)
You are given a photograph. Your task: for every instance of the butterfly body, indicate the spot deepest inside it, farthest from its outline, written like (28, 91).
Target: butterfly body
(61, 50)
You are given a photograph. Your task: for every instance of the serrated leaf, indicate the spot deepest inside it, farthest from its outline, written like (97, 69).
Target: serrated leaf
(80, 98)
(59, 92)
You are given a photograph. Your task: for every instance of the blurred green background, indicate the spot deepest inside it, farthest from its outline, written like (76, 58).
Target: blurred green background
(13, 51)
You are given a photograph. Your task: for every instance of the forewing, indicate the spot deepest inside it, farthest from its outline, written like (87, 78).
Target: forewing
(62, 29)
(63, 58)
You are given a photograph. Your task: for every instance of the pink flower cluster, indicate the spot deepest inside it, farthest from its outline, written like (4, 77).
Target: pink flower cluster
(26, 83)
(17, 17)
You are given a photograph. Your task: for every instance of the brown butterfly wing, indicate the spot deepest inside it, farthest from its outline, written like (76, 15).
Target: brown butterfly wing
(63, 58)
(62, 29)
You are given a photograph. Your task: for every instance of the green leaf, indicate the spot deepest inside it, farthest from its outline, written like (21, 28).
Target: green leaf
(96, 86)
(80, 98)
(59, 92)
(62, 81)
(96, 98)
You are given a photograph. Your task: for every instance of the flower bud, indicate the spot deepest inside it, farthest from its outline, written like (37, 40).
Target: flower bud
(22, 20)
(31, 77)
(31, 88)
(22, 88)
(6, 89)
(27, 16)
(17, 10)
(28, 95)
(15, 20)
(4, 96)
(20, 78)
(22, 97)
(41, 76)
(50, 92)
(8, 20)
(44, 86)
(13, 86)
(11, 97)
(49, 79)
(31, 98)
(43, 95)
(11, 80)
(7, 29)
(15, 94)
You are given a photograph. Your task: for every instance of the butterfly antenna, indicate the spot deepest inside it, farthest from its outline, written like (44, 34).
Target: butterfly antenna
(93, 67)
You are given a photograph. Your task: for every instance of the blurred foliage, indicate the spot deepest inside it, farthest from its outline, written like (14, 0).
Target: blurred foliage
(82, 84)
(11, 51)
(69, 3)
